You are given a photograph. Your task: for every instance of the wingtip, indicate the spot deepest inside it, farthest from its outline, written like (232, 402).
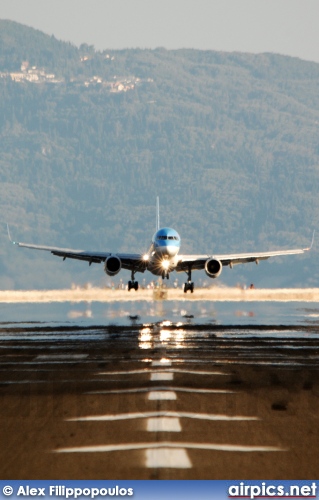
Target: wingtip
(9, 235)
(312, 241)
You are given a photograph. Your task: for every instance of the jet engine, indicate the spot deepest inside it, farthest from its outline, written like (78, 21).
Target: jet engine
(112, 265)
(213, 268)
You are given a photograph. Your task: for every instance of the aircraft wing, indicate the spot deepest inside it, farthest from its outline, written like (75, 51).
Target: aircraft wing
(129, 261)
(197, 262)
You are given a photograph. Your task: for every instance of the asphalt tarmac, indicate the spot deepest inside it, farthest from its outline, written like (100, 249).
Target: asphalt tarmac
(160, 400)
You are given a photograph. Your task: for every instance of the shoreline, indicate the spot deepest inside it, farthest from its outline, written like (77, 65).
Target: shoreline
(214, 294)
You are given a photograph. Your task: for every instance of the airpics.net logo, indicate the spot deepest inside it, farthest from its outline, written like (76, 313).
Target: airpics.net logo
(265, 490)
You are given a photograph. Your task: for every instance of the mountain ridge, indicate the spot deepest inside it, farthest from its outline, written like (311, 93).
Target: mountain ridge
(228, 141)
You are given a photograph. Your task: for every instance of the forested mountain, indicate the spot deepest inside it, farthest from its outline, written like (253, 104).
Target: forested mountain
(229, 141)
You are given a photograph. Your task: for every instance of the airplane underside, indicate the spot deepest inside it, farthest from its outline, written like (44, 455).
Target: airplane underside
(160, 267)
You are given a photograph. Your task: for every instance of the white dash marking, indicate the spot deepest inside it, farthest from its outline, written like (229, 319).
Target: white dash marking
(62, 357)
(168, 458)
(163, 424)
(164, 388)
(157, 414)
(156, 376)
(161, 395)
(168, 369)
(199, 372)
(105, 448)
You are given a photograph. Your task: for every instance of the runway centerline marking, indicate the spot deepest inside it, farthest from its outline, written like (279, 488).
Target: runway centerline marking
(162, 362)
(163, 424)
(167, 458)
(155, 376)
(161, 396)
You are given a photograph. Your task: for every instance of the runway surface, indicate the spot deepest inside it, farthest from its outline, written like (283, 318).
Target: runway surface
(161, 400)
(105, 295)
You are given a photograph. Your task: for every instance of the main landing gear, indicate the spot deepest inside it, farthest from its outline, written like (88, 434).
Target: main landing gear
(189, 285)
(132, 283)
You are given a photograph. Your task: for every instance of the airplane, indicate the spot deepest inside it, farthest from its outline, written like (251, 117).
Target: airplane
(162, 258)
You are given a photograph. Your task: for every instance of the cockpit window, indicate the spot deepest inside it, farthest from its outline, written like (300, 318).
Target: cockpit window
(164, 237)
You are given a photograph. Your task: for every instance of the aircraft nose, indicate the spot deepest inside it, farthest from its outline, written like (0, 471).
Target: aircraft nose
(171, 250)
(168, 250)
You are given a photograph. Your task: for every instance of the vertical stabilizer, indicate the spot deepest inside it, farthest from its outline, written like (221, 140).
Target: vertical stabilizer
(157, 214)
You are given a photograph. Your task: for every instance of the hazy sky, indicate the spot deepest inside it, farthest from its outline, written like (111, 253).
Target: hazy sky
(287, 27)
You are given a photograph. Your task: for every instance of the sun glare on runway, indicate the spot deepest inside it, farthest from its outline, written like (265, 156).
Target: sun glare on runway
(165, 335)
(145, 338)
(166, 322)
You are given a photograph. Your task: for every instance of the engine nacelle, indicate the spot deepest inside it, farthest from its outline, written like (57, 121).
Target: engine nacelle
(213, 268)
(112, 265)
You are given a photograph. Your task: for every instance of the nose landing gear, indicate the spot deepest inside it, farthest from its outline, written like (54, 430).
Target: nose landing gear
(132, 283)
(189, 285)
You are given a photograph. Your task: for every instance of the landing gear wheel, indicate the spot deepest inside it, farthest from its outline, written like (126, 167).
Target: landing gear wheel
(189, 286)
(132, 284)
